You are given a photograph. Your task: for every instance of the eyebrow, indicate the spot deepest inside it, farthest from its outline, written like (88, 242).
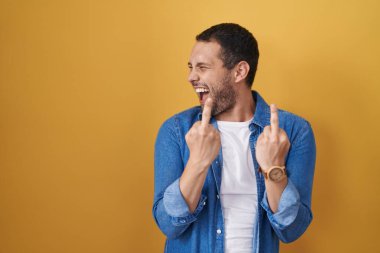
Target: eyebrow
(199, 64)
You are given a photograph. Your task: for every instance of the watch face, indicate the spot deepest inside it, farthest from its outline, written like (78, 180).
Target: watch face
(276, 174)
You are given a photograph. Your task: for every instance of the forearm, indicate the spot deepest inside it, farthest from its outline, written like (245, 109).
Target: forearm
(274, 192)
(290, 212)
(293, 215)
(172, 213)
(191, 183)
(165, 221)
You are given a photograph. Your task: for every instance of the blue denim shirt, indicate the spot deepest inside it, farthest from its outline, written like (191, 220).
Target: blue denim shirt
(203, 230)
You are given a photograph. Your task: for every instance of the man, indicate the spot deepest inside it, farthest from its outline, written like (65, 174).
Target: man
(234, 174)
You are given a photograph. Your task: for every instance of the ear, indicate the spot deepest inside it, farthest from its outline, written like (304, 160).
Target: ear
(241, 71)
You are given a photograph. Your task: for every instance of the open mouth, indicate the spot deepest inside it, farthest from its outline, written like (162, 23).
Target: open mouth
(202, 93)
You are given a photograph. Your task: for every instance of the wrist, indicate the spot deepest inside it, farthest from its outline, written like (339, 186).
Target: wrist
(274, 174)
(197, 164)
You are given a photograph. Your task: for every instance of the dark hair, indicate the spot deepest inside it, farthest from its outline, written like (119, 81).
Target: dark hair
(237, 44)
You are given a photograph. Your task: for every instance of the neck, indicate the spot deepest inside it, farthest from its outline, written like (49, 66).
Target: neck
(243, 109)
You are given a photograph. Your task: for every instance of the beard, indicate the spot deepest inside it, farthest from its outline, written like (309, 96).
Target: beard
(223, 95)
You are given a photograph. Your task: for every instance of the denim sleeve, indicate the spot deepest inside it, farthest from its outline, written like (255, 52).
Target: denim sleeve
(294, 211)
(170, 209)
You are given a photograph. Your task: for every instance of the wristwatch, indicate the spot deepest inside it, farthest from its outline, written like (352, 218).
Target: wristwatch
(274, 173)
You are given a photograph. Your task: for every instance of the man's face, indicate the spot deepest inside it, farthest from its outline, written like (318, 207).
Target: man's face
(209, 78)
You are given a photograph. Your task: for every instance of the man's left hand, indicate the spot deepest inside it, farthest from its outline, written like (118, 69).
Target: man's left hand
(273, 144)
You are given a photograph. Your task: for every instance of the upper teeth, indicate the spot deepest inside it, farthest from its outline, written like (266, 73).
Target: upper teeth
(201, 90)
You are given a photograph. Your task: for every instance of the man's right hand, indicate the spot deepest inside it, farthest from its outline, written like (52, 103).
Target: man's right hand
(203, 139)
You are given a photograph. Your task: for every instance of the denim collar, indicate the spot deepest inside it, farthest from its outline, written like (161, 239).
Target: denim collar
(261, 116)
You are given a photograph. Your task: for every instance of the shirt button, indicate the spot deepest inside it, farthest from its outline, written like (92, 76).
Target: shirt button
(204, 203)
(217, 196)
(218, 231)
(182, 221)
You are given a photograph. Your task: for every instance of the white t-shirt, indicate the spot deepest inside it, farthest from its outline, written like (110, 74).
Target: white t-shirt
(238, 189)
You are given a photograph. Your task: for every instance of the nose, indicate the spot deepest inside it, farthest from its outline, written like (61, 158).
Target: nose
(193, 76)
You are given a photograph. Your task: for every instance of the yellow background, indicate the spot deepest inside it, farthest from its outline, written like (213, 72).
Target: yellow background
(85, 85)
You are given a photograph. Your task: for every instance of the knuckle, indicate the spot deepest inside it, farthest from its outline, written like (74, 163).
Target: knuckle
(274, 140)
(187, 138)
(283, 134)
(283, 138)
(196, 124)
(261, 139)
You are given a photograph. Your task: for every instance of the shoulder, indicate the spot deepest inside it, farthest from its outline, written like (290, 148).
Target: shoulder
(287, 120)
(181, 122)
(291, 119)
(294, 125)
(183, 119)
